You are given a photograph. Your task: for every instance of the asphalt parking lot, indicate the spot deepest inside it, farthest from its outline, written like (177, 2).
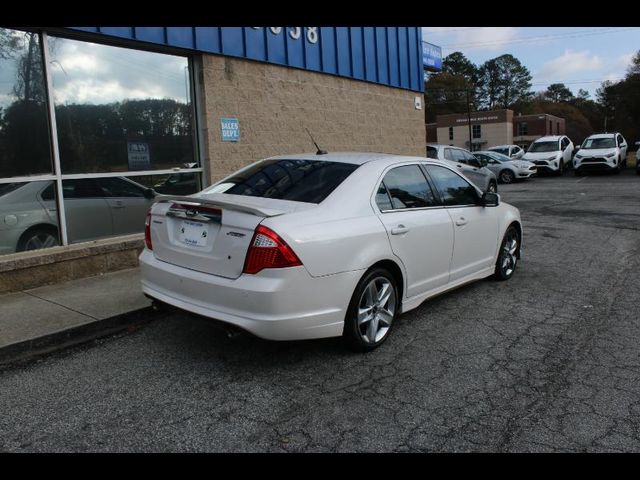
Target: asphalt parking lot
(548, 361)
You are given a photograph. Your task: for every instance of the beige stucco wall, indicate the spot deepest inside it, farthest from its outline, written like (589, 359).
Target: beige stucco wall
(274, 103)
(492, 133)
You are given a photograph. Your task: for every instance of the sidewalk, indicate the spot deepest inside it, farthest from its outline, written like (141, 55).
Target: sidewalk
(44, 319)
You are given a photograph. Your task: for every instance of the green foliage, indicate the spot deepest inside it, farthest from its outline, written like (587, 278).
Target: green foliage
(503, 81)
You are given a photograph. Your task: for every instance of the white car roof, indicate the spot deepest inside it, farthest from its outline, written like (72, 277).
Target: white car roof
(501, 146)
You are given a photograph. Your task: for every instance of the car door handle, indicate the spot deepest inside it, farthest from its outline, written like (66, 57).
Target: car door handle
(461, 221)
(399, 230)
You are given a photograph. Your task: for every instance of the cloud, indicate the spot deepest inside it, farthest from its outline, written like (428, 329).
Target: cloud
(462, 38)
(563, 67)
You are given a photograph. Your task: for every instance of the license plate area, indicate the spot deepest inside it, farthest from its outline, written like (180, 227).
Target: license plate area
(193, 234)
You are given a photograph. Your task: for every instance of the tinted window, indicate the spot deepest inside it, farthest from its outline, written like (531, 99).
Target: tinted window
(382, 198)
(453, 189)
(409, 188)
(308, 181)
(82, 188)
(432, 152)
(448, 153)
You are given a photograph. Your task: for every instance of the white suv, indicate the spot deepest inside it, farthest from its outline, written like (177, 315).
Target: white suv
(603, 152)
(551, 154)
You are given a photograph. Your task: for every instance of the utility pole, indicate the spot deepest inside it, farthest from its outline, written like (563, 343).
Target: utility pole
(469, 121)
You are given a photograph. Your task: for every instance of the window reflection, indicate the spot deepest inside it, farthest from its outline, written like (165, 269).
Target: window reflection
(24, 131)
(119, 109)
(28, 216)
(103, 207)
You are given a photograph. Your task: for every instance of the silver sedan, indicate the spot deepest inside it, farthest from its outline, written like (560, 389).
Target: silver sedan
(506, 169)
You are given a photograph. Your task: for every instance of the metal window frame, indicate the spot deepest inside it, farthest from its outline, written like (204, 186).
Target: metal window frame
(193, 68)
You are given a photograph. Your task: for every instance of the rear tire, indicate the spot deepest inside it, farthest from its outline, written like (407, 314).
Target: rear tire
(372, 311)
(36, 238)
(508, 254)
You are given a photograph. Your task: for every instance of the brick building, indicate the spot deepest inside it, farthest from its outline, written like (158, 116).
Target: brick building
(497, 127)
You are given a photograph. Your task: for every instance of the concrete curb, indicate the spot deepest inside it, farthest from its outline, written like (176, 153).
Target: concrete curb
(27, 350)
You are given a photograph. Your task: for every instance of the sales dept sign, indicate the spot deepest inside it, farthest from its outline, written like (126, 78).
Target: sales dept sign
(230, 128)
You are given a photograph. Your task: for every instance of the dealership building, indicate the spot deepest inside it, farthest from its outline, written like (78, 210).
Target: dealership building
(488, 129)
(96, 121)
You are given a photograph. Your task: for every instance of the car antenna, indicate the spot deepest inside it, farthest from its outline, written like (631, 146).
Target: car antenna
(319, 152)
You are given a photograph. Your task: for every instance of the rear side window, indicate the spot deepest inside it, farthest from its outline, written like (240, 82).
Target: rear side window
(408, 188)
(308, 181)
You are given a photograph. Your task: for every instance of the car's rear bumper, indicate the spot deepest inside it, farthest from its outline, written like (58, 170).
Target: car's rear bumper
(275, 304)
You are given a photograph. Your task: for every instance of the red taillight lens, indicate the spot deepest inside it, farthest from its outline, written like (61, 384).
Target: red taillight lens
(147, 231)
(268, 250)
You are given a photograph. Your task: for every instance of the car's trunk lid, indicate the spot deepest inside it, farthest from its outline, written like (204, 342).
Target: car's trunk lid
(211, 233)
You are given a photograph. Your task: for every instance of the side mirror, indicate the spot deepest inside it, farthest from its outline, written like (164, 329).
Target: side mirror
(490, 199)
(149, 193)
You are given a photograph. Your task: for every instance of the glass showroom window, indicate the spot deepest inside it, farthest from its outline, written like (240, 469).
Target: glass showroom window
(28, 209)
(125, 130)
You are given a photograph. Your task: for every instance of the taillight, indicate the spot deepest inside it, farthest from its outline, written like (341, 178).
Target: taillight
(147, 231)
(268, 250)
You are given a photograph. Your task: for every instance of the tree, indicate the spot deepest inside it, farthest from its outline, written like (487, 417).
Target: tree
(457, 64)
(503, 81)
(445, 93)
(558, 92)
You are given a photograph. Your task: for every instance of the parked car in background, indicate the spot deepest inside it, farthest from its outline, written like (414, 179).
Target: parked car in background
(551, 154)
(506, 169)
(94, 208)
(466, 163)
(311, 246)
(601, 152)
(511, 151)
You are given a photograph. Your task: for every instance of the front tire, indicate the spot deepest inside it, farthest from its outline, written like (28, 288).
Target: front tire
(372, 311)
(492, 187)
(507, 176)
(508, 255)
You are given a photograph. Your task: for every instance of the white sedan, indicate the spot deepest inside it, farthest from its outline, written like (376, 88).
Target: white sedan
(312, 246)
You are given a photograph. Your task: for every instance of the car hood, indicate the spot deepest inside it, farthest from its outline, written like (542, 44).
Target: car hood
(596, 152)
(530, 156)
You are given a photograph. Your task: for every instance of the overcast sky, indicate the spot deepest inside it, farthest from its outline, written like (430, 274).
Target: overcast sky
(90, 73)
(579, 57)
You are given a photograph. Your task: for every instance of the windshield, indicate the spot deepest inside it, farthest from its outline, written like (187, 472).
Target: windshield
(502, 150)
(497, 156)
(308, 181)
(593, 143)
(544, 147)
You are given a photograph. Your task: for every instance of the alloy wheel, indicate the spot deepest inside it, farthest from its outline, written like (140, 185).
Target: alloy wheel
(41, 240)
(376, 310)
(508, 257)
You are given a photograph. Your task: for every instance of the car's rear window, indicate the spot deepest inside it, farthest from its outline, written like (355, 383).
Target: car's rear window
(308, 181)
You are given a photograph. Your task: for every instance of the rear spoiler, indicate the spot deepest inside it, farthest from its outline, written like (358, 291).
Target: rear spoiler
(214, 200)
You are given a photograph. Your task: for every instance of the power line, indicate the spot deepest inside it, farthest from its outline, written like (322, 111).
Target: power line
(539, 38)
